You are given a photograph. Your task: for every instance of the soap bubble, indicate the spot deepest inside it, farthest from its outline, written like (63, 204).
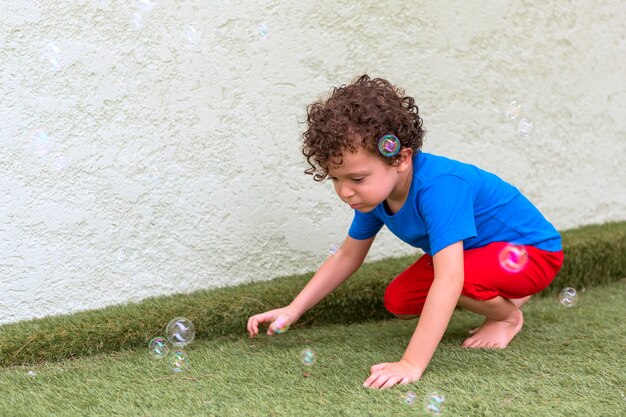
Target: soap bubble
(154, 172)
(409, 398)
(434, 403)
(54, 55)
(192, 36)
(334, 249)
(158, 347)
(146, 5)
(514, 110)
(32, 373)
(59, 162)
(41, 142)
(524, 128)
(263, 30)
(307, 356)
(568, 297)
(513, 258)
(178, 361)
(137, 20)
(279, 323)
(180, 331)
(389, 145)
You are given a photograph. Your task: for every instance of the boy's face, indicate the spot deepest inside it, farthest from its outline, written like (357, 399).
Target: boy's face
(363, 180)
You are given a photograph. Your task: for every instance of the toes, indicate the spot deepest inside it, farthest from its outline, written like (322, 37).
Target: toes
(471, 342)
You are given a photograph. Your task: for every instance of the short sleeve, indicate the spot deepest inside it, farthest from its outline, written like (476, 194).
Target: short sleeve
(447, 206)
(364, 225)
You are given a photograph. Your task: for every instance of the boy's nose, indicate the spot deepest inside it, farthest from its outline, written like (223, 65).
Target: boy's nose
(346, 192)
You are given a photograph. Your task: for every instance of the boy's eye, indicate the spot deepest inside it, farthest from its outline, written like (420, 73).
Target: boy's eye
(357, 180)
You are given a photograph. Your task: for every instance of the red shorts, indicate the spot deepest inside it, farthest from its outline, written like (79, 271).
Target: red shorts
(484, 278)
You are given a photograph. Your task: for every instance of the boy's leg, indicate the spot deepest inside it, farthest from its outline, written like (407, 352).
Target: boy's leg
(503, 321)
(406, 294)
(497, 294)
(519, 302)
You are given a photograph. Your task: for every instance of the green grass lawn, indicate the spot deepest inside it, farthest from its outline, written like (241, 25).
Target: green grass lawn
(565, 362)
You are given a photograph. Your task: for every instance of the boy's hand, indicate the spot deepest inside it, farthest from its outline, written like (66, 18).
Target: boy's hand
(279, 318)
(388, 374)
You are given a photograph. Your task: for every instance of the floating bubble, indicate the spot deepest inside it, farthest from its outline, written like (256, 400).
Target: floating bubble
(334, 249)
(525, 128)
(513, 258)
(32, 373)
(280, 324)
(121, 255)
(54, 55)
(307, 356)
(568, 297)
(180, 331)
(154, 172)
(59, 162)
(193, 36)
(178, 361)
(146, 5)
(389, 145)
(41, 142)
(409, 398)
(137, 20)
(263, 30)
(158, 347)
(121, 85)
(435, 403)
(514, 110)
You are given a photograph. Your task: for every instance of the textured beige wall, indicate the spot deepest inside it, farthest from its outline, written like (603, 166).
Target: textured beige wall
(138, 157)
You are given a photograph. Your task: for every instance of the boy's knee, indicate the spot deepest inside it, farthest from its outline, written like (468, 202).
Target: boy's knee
(394, 303)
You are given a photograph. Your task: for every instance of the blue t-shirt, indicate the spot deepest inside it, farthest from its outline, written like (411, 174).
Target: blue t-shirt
(451, 201)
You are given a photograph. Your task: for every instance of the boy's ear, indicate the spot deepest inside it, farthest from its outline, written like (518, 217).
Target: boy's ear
(405, 159)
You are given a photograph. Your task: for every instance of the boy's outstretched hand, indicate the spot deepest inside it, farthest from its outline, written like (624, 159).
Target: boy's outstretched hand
(279, 318)
(388, 374)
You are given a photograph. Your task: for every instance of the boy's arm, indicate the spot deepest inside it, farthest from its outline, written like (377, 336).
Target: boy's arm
(440, 302)
(333, 272)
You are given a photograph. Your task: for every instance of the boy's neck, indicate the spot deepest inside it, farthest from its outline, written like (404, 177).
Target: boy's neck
(400, 193)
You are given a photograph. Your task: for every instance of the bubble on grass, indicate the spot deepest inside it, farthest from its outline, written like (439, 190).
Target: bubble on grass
(32, 373)
(307, 356)
(158, 347)
(525, 128)
(178, 361)
(334, 249)
(513, 258)
(435, 404)
(409, 398)
(180, 331)
(514, 110)
(568, 297)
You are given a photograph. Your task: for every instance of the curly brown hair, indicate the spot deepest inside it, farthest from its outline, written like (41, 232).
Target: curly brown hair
(358, 115)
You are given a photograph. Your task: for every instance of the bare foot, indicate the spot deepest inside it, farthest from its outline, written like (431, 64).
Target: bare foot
(519, 302)
(496, 334)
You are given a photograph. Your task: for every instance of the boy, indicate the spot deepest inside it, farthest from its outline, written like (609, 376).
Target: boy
(487, 248)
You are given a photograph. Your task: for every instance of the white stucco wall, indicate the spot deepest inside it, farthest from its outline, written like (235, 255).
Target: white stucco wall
(136, 162)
